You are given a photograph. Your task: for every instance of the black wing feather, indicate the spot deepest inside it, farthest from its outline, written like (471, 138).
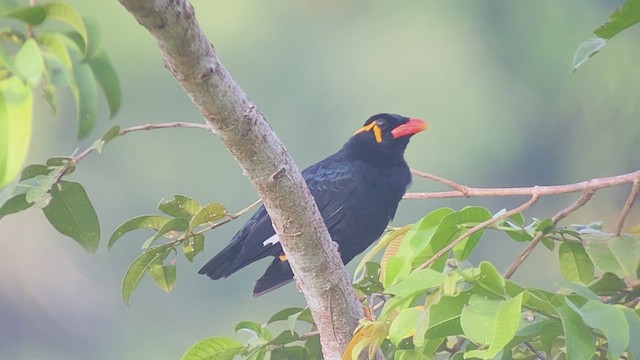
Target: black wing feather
(330, 182)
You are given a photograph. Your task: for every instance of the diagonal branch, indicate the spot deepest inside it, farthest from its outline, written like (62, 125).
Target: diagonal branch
(241, 127)
(586, 196)
(627, 206)
(480, 226)
(463, 190)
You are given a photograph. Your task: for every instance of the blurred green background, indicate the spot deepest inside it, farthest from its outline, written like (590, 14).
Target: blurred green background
(493, 79)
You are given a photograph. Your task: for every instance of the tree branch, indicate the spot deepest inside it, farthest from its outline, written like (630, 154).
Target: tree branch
(464, 191)
(586, 196)
(627, 206)
(263, 158)
(482, 225)
(588, 188)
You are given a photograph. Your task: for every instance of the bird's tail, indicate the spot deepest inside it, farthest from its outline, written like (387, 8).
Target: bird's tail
(221, 265)
(278, 273)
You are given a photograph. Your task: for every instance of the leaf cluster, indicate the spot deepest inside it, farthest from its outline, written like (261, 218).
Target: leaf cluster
(288, 344)
(183, 224)
(452, 309)
(33, 58)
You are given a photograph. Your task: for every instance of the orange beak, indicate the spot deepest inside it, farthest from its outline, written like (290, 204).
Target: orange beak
(413, 126)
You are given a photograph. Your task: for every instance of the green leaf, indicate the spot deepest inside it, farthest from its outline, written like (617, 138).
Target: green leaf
(180, 206)
(139, 267)
(39, 189)
(175, 224)
(284, 314)
(517, 218)
(30, 15)
(539, 300)
(288, 353)
(208, 213)
(422, 321)
(86, 29)
(255, 329)
(578, 289)
(15, 127)
(7, 62)
(607, 285)
(109, 135)
(29, 62)
(633, 320)
(14, 204)
(431, 346)
(61, 162)
(420, 234)
(491, 278)
(107, 77)
(416, 282)
(575, 264)
(154, 222)
(71, 213)
(625, 16)
(193, 245)
(397, 268)
(369, 282)
(33, 170)
(92, 42)
(463, 250)
(403, 325)
(388, 239)
(312, 346)
(409, 355)
(163, 275)
(85, 93)
(610, 320)
(54, 44)
(448, 227)
(619, 255)
(214, 348)
(586, 50)
(444, 317)
(490, 322)
(579, 340)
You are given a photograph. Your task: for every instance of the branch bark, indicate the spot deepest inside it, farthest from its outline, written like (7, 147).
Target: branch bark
(466, 191)
(264, 160)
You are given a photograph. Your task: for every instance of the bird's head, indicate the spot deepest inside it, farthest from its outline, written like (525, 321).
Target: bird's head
(385, 134)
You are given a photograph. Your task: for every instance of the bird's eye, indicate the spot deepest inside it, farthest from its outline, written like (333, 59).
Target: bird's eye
(382, 124)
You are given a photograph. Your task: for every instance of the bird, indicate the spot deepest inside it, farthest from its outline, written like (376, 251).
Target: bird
(357, 191)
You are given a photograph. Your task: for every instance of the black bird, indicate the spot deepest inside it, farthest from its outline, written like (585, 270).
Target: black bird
(357, 191)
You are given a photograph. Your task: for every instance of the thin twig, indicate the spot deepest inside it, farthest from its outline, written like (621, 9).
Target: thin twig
(627, 206)
(482, 225)
(586, 196)
(594, 184)
(452, 184)
(178, 124)
(533, 350)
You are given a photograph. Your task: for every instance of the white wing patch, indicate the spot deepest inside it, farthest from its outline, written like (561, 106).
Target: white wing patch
(271, 241)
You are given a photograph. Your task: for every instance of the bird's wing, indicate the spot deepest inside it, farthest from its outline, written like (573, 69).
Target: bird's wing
(250, 239)
(330, 182)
